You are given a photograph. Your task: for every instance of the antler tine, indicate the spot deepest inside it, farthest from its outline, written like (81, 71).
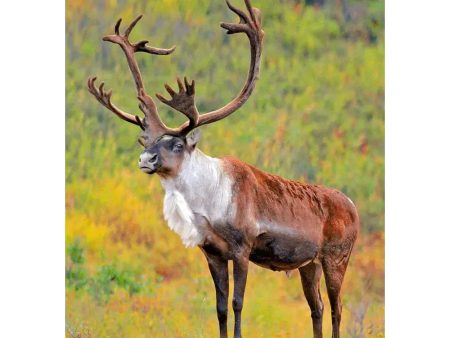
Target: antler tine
(250, 10)
(141, 47)
(190, 88)
(131, 26)
(117, 26)
(239, 12)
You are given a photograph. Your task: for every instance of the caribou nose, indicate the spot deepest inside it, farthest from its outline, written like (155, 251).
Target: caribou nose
(148, 158)
(153, 159)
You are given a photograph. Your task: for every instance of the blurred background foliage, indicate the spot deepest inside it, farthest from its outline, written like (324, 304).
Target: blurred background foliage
(317, 115)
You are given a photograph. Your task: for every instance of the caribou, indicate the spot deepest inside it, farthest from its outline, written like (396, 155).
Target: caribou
(229, 209)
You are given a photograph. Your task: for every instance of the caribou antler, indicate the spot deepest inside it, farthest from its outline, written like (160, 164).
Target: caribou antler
(105, 99)
(152, 120)
(184, 100)
(130, 49)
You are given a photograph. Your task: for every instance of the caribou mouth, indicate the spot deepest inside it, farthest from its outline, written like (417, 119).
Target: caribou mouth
(148, 170)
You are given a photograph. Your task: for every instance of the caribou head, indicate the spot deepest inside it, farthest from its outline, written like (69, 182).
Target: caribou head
(166, 147)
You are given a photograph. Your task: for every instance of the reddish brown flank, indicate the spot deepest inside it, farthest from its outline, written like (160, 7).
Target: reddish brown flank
(311, 228)
(292, 203)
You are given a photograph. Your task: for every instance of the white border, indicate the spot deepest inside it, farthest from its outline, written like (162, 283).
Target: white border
(32, 169)
(417, 168)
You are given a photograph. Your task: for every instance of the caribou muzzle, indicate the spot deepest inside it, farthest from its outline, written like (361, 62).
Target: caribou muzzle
(149, 163)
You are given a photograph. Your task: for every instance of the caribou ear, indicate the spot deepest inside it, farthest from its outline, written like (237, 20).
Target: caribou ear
(193, 138)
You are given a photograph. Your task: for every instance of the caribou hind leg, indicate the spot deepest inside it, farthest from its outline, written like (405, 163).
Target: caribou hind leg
(334, 265)
(310, 275)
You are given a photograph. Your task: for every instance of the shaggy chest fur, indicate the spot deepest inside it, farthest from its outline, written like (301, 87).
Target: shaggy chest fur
(201, 194)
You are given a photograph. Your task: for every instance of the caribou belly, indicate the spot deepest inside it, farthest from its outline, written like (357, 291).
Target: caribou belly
(282, 252)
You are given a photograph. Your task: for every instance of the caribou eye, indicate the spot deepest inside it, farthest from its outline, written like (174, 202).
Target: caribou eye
(177, 147)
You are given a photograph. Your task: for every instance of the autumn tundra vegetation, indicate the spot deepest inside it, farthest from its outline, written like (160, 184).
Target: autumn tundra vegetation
(316, 116)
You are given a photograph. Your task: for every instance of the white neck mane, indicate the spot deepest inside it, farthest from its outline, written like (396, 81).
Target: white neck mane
(200, 193)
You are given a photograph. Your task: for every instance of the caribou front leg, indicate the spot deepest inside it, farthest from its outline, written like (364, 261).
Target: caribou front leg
(219, 272)
(240, 270)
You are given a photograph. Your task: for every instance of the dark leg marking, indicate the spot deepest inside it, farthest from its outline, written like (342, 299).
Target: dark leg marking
(240, 270)
(219, 272)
